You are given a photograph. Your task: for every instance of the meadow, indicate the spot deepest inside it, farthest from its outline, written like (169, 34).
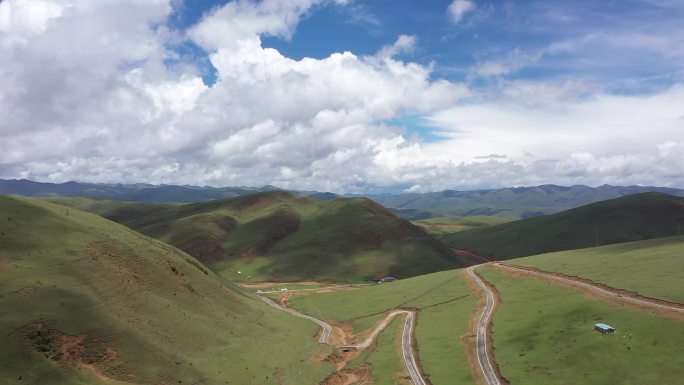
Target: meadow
(448, 225)
(543, 334)
(652, 268)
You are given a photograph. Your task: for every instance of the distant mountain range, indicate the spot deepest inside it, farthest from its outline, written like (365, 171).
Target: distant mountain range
(126, 192)
(517, 202)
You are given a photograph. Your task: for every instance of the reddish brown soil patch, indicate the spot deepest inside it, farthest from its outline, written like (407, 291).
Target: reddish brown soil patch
(528, 272)
(76, 350)
(359, 375)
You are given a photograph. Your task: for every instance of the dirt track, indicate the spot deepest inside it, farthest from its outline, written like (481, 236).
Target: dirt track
(409, 356)
(600, 290)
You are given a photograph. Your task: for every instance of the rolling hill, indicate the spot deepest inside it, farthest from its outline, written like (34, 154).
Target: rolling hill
(631, 218)
(87, 301)
(282, 236)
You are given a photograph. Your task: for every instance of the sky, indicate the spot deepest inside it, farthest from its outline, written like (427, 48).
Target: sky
(348, 96)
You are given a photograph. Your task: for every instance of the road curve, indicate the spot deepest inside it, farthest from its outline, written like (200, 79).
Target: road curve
(408, 354)
(327, 329)
(594, 288)
(483, 358)
(406, 342)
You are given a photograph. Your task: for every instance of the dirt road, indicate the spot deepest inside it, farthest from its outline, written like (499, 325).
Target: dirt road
(601, 290)
(408, 354)
(486, 362)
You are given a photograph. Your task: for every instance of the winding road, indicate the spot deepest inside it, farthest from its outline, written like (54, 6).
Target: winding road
(486, 362)
(408, 354)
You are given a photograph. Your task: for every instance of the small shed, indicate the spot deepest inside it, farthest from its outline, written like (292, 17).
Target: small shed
(389, 279)
(603, 328)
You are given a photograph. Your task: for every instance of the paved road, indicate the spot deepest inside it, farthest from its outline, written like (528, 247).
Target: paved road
(406, 342)
(406, 339)
(486, 362)
(407, 350)
(596, 289)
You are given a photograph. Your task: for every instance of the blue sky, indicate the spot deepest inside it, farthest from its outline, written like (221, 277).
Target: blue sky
(344, 95)
(508, 31)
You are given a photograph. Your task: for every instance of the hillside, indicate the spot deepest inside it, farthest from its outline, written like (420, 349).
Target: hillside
(630, 218)
(278, 235)
(447, 225)
(652, 268)
(87, 301)
(516, 202)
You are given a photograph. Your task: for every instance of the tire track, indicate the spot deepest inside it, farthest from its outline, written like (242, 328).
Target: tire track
(599, 289)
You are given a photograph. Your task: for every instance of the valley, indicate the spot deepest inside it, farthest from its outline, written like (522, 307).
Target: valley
(308, 306)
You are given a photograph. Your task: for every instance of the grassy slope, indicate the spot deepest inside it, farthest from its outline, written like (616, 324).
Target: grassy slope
(111, 209)
(147, 312)
(652, 267)
(448, 225)
(543, 334)
(278, 235)
(446, 305)
(631, 218)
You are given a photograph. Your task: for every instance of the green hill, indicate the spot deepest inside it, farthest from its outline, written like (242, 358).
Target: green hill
(448, 225)
(652, 268)
(87, 301)
(278, 235)
(631, 218)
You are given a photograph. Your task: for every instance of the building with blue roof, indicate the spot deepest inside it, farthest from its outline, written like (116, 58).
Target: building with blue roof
(603, 328)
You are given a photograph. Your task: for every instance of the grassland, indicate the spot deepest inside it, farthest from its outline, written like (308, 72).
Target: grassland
(631, 218)
(444, 306)
(103, 207)
(652, 268)
(87, 301)
(448, 225)
(543, 334)
(280, 236)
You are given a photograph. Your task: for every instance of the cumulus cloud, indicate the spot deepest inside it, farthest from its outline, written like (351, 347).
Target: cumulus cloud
(88, 95)
(458, 8)
(108, 109)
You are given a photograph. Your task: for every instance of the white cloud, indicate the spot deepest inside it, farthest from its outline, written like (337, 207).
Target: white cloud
(106, 108)
(404, 44)
(458, 8)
